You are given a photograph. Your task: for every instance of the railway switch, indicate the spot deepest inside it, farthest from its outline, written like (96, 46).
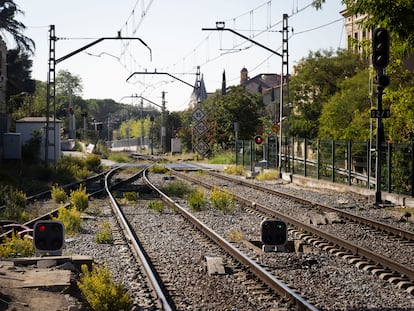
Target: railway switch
(273, 234)
(48, 237)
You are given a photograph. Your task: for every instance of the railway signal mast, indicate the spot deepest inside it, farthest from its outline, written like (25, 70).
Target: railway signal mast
(380, 60)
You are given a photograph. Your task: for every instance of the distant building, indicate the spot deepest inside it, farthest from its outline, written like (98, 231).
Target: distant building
(268, 84)
(358, 37)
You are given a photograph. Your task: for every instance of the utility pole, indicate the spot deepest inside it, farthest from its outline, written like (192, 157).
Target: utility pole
(51, 85)
(283, 81)
(163, 127)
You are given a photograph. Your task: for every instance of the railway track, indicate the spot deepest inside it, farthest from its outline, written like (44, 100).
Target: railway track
(172, 248)
(398, 269)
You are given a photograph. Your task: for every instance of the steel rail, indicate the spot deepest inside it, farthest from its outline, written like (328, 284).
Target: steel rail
(409, 235)
(256, 269)
(353, 248)
(133, 240)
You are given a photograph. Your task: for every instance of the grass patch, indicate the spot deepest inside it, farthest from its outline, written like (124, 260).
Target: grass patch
(158, 169)
(104, 235)
(197, 200)
(237, 170)
(268, 175)
(177, 188)
(101, 292)
(156, 206)
(223, 158)
(222, 200)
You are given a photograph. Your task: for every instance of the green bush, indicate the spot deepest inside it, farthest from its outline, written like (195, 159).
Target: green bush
(130, 196)
(58, 194)
(158, 169)
(177, 188)
(237, 170)
(79, 198)
(16, 246)
(197, 200)
(15, 204)
(71, 220)
(157, 206)
(104, 236)
(93, 163)
(101, 292)
(222, 199)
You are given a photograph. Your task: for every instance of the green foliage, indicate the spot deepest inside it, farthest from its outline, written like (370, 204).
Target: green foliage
(396, 16)
(130, 196)
(268, 175)
(197, 200)
(223, 158)
(222, 200)
(93, 163)
(346, 115)
(58, 194)
(69, 169)
(101, 292)
(238, 104)
(317, 78)
(158, 169)
(15, 246)
(104, 236)
(119, 157)
(177, 188)
(15, 204)
(399, 126)
(156, 205)
(234, 170)
(79, 198)
(71, 220)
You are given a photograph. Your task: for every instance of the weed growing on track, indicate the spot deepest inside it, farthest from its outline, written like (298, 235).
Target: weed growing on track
(177, 188)
(157, 206)
(15, 246)
(79, 198)
(237, 170)
(58, 194)
(222, 199)
(197, 200)
(71, 220)
(104, 235)
(101, 292)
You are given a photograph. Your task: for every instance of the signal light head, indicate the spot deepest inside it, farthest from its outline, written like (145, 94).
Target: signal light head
(258, 139)
(48, 237)
(273, 232)
(380, 48)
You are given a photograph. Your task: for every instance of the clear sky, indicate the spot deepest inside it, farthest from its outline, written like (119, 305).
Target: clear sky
(173, 32)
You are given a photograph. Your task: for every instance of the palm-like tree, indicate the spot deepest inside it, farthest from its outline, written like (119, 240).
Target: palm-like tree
(8, 23)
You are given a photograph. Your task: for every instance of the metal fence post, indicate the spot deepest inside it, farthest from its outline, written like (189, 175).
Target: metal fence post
(318, 160)
(305, 156)
(389, 167)
(368, 164)
(333, 160)
(349, 161)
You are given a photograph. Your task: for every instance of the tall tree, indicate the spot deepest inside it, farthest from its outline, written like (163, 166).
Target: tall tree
(316, 79)
(237, 105)
(19, 80)
(346, 115)
(9, 24)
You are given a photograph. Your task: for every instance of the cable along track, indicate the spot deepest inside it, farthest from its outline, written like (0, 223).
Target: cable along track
(401, 274)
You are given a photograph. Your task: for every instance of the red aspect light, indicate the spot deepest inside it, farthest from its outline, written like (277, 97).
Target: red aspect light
(41, 228)
(258, 139)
